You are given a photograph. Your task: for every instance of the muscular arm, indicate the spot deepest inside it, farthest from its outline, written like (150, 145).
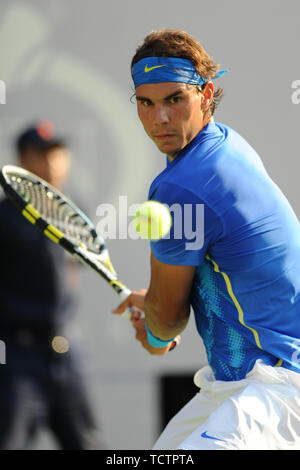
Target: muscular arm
(167, 304)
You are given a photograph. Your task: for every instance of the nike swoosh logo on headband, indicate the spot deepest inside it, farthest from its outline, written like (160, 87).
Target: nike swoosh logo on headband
(152, 68)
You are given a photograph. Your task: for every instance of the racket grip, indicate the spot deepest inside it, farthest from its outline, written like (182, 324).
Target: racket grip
(125, 292)
(127, 314)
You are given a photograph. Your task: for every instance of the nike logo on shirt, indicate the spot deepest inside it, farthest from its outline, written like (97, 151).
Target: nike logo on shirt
(206, 436)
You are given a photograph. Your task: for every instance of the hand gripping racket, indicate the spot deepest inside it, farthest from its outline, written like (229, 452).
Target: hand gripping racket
(63, 222)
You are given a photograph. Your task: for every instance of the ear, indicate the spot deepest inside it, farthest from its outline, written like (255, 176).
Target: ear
(208, 94)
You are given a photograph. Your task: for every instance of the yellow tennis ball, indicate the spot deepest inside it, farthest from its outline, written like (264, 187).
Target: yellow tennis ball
(152, 220)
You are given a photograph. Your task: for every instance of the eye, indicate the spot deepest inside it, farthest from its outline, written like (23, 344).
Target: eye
(174, 99)
(145, 102)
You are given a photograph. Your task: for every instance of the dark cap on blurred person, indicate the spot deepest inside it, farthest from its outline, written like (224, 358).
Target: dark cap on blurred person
(40, 136)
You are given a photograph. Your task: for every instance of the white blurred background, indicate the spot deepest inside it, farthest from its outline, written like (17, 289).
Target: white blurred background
(68, 61)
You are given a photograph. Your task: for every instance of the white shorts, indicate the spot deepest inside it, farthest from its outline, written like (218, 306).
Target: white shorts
(260, 412)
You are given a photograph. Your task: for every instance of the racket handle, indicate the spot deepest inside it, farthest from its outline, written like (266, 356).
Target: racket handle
(127, 314)
(125, 292)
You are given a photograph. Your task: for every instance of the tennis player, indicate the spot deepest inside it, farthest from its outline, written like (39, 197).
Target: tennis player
(242, 282)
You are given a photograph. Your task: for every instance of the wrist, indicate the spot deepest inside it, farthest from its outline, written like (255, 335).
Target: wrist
(154, 341)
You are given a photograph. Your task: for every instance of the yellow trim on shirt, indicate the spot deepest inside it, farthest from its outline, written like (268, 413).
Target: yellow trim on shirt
(279, 363)
(235, 301)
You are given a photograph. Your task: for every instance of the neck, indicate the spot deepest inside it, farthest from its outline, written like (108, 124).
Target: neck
(172, 156)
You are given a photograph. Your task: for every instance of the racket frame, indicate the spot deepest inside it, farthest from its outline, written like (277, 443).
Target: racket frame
(79, 252)
(99, 262)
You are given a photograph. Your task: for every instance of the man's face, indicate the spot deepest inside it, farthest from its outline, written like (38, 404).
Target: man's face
(52, 165)
(172, 114)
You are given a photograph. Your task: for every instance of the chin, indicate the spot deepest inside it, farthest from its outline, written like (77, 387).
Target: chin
(169, 150)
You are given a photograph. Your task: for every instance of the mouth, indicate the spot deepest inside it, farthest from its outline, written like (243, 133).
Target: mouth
(163, 136)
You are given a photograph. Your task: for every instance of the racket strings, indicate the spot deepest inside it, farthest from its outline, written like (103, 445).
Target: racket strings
(54, 210)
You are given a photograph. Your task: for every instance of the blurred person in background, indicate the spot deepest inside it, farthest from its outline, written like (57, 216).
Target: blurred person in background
(41, 384)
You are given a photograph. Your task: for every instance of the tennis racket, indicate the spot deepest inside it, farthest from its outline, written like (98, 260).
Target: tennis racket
(63, 222)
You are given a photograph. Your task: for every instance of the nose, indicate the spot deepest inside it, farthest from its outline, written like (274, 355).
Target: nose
(161, 115)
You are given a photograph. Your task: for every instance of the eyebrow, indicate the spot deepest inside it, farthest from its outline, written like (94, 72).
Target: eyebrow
(172, 95)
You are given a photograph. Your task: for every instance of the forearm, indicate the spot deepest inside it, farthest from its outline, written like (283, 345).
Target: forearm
(162, 322)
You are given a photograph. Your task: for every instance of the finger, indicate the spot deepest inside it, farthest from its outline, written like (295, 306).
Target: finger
(136, 316)
(140, 335)
(122, 306)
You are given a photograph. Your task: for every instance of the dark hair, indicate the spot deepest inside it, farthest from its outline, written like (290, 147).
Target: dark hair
(176, 43)
(40, 136)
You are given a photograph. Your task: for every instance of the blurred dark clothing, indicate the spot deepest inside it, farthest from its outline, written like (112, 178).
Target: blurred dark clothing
(38, 385)
(33, 284)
